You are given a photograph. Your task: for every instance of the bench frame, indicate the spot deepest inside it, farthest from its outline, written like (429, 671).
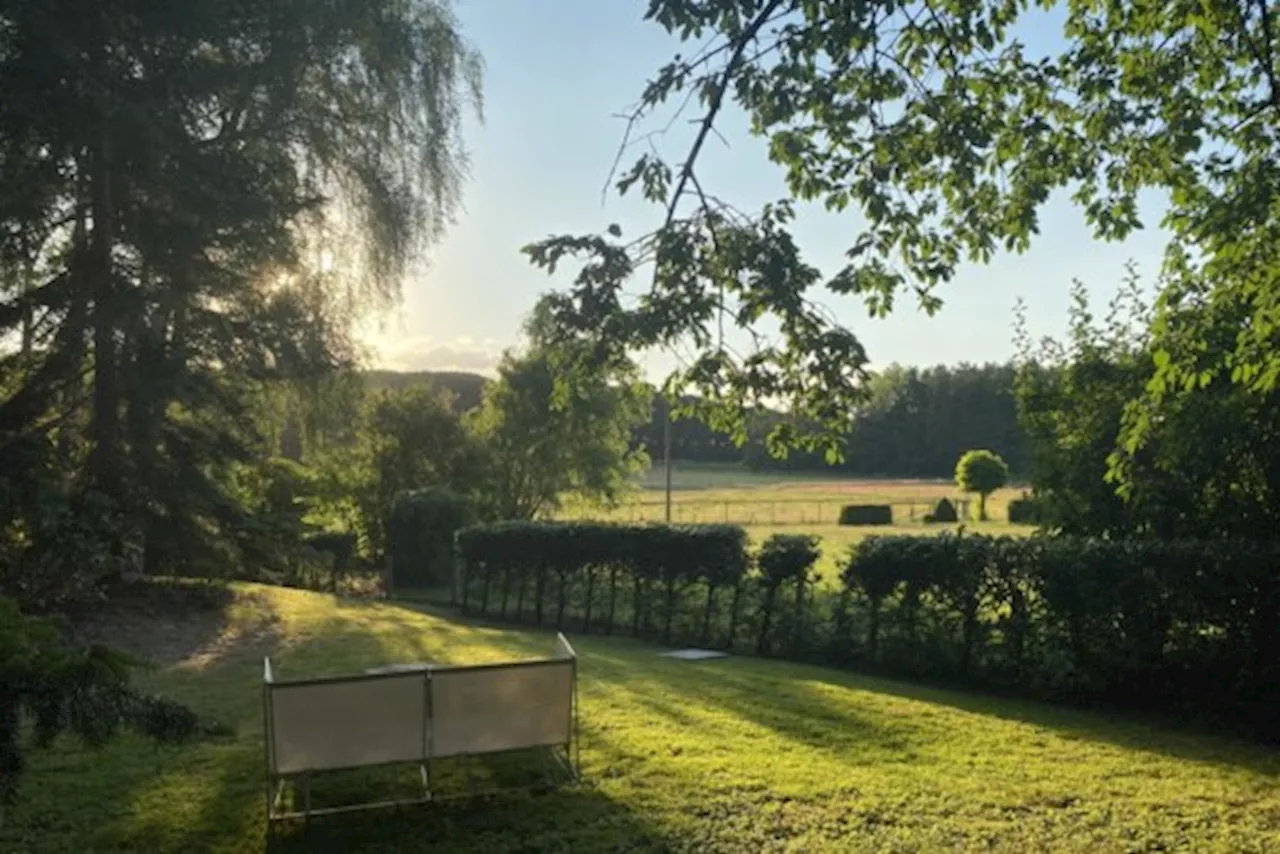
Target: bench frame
(566, 756)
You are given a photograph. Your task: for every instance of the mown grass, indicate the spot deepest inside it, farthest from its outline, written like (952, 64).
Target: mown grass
(731, 755)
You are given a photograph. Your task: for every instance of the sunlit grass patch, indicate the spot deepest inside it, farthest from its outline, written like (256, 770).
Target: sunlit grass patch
(728, 755)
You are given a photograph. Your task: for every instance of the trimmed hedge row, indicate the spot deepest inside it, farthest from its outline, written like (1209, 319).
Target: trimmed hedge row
(420, 533)
(1185, 626)
(866, 514)
(943, 511)
(1024, 510)
(1191, 628)
(667, 582)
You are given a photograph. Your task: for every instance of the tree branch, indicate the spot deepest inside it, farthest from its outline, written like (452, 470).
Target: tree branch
(716, 101)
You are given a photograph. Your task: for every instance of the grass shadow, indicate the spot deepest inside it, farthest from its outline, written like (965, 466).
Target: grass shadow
(573, 819)
(804, 703)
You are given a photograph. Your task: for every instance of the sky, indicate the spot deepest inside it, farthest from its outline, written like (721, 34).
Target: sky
(557, 77)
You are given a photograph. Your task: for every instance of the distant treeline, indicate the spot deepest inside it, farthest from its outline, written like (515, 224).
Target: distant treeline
(917, 423)
(466, 387)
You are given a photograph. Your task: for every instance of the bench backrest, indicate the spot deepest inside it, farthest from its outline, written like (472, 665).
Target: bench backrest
(490, 708)
(377, 719)
(346, 723)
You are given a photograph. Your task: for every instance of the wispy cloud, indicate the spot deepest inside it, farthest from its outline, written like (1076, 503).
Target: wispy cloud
(425, 353)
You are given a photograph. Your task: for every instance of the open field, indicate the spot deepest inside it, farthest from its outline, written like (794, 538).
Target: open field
(766, 503)
(732, 755)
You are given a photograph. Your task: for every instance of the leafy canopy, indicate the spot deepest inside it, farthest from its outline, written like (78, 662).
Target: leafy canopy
(937, 125)
(555, 424)
(982, 472)
(200, 199)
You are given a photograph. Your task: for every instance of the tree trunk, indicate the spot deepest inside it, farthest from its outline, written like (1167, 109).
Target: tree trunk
(105, 430)
(671, 612)
(613, 598)
(562, 600)
(466, 578)
(730, 637)
(637, 603)
(873, 629)
(766, 620)
(586, 614)
(539, 593)
(797, 639)
(970, 636)
(706, 614)
(506, 589)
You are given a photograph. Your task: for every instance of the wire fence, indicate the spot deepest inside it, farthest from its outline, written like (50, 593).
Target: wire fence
(794, 511)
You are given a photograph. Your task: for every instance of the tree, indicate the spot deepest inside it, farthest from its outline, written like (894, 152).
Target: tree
(982, 472)
(552, 425)
(198, 203)
(937, 125)
(1204, 469)
(406, 440)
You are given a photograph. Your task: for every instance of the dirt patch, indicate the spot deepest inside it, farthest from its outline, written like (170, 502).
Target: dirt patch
(172, 624)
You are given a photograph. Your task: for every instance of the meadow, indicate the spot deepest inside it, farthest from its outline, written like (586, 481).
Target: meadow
(767, 503)
(731, 755)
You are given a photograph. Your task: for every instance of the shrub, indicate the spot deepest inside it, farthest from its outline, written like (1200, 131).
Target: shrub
(64, 688)
(783, 558)
(943, 511)
(339, 545)
(420, 536)
(1024, 510)
(866, 514)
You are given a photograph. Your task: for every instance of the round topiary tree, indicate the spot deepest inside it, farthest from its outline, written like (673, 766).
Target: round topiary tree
(982, 472)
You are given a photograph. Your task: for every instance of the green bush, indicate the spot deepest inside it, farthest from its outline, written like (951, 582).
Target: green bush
(339, 545)
(866, 514)
(783, 558)
(1024, 510)
(420, 536)
(943, 511)
(63, 688)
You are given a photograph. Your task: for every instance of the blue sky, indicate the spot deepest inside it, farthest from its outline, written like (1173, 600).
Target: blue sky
(557, 74)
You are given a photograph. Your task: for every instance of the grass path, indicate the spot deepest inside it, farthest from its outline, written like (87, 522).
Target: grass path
(733, 755)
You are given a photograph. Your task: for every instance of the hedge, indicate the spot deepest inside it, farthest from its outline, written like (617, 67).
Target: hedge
(1024, 510)
(1185, 627)
(943, 511)
(866, 514)
(1191, 628)
(629, 571)
(340, 545)
(420, 534)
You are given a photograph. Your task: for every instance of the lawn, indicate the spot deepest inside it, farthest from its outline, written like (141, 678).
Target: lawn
(731, 755)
